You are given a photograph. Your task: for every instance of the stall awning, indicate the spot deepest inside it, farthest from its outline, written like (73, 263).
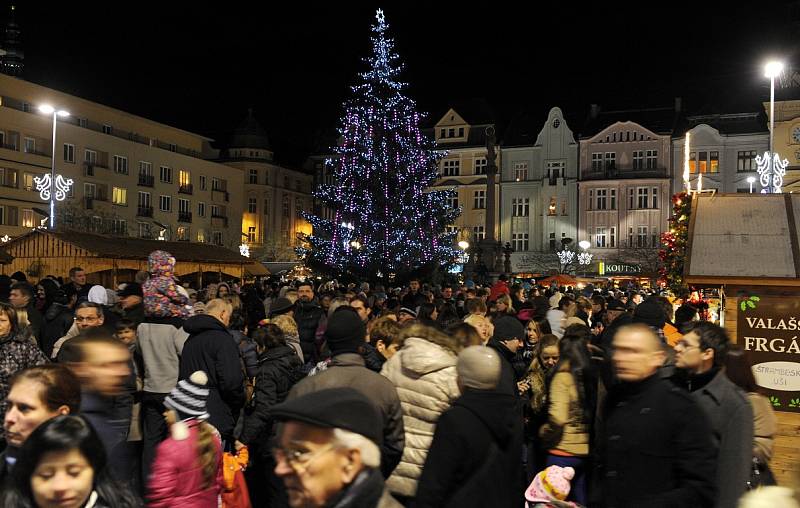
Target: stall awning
(256, 269)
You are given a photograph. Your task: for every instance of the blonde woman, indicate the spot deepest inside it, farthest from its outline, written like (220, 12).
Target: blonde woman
(503, 306)
(484, 327)
(289, 328)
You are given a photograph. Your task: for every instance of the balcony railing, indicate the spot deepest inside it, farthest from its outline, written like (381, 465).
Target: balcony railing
(215, 219)
(186, 189)
(146, 180)
(88, 168)
(184, 216)
(144, 211)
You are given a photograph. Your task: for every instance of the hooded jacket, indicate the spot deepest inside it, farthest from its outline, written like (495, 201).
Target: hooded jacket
(211, 348)
(474, 459)
(161, 295)
(424, 373)
(57, 321)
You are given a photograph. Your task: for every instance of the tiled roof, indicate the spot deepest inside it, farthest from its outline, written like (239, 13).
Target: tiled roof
(657, 120)
(726, 124)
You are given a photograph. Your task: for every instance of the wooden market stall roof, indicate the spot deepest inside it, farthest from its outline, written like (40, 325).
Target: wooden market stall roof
(744, 239)
(71, 244)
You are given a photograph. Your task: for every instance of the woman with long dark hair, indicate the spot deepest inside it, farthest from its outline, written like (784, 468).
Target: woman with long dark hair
(572, 397)
(63, 463)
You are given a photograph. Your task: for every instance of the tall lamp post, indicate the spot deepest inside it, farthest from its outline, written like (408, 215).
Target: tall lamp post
(772, 70)
(751, 180)
(60, 186)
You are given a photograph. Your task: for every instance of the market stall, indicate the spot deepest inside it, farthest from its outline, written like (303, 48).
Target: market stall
(746, 246)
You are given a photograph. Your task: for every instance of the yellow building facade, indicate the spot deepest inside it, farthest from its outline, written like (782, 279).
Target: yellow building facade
(786, 141)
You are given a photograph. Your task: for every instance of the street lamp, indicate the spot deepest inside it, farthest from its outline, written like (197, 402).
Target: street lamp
(772, 70)
(584, 258)
(52, 188)
(463, 245)
(751, 180)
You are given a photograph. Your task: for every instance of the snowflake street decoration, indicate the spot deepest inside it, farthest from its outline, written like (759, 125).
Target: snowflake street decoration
(43, 185)
(565, 256)
(778, 171)
(584, 258)
(244, 250)
(5, 239)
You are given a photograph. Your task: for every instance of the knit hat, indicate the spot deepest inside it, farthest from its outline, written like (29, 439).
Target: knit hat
(280, 306)
(649, 313)
(98, 295)
(334, 408)
(188, 398)
(552, 484)
(408, 311)
(616, 305)
(507, 328)
(345, 332)
(130, 289)
(19, 277)
(478, 367)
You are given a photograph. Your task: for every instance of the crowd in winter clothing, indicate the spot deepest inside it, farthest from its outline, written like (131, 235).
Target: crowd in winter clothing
(341, 396)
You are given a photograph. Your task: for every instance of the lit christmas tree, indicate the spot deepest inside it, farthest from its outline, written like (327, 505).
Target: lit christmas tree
(385, 219)
(675, 242)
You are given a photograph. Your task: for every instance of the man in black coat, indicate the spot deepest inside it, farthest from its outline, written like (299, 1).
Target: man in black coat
(22, 298)
(474, 459)
(654, 444)
(506, 340)
(211, 348)
(414, 298)
(307, 314)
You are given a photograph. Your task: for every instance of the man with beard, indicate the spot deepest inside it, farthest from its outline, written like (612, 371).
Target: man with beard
(307, 314)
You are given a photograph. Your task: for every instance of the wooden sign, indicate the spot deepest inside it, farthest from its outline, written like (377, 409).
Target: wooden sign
(768, 328)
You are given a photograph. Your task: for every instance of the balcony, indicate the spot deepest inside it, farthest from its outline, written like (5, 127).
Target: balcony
(144, 211)
(88, 168)
(146, 180)
(10, 146)
(186, 189)
(219, 220)
(225, 193)
(184, 216)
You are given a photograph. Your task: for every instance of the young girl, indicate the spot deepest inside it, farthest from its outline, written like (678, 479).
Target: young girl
(63, 463)
(187, 470)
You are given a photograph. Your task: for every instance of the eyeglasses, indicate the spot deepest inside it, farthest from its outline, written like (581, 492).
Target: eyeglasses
(298, 460)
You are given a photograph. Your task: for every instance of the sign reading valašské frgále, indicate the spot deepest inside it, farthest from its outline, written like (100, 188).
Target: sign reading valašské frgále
(768, 328)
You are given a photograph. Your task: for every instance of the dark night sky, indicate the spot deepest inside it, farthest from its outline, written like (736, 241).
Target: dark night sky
(200, 68)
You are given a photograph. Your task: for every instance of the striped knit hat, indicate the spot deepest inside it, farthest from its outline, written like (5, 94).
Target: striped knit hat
(188, 399)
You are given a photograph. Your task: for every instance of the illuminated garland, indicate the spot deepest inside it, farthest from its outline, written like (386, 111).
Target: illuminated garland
(385, 219)
(675, 242)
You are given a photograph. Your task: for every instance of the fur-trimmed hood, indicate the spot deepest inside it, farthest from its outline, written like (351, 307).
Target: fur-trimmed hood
(431, 335)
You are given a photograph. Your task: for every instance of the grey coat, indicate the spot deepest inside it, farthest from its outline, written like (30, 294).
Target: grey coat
(348, 369)
(731, 417)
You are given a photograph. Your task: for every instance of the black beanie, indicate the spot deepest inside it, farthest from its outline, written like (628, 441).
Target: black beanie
(507, 328)
(649, 313)
(345, 332)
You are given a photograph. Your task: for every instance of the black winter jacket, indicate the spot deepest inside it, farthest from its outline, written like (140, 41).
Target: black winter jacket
(276, 370)
(474, 459)
(57, 321)
(211, 348)
(307, 316)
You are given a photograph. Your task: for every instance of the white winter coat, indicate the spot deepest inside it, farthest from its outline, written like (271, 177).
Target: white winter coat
(424, 374)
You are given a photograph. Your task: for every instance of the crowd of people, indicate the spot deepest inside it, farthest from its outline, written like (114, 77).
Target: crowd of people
(355, 396)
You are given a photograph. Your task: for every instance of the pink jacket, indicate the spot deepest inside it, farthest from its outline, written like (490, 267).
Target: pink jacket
(176, 478)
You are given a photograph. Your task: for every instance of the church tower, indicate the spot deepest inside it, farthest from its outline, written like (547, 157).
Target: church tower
(12, 61)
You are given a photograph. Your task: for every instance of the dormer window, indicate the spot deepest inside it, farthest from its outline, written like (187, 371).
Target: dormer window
(461, 132)
(451, 133)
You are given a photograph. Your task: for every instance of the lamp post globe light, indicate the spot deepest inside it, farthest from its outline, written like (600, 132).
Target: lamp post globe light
(49, 187)
(751, 180)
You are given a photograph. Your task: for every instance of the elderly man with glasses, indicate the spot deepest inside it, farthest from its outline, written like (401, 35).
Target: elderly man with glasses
(327, 452)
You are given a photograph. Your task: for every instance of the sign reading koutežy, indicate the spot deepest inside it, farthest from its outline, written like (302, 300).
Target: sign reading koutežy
(768, 328)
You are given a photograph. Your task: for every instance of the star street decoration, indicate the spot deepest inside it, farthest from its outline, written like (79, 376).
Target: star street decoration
(244, 250)
(44, 184)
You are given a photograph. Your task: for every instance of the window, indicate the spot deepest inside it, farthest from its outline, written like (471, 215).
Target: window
(119, 196)
(184, 178)
(442, 133)
(184, 206)
(612, 237)
(202, 183)
(641, 237)
(613, 198)
(479, 233)
(597, 161)
(564, 207)
(166, 174)
(145, 168)
(461, 132)
(144, 230)
(215, 211)
(451, 133)
(69, 153)
(551, 208)
(83, 122)
(630, 237)
(165, 203)
(642, 194)
(182, 235)
(638, 159)
(520, 207)
(251, 234)
(521, 171)
(601, 199)
(520, 241)
(451, 167)
(90, 156)
(298, 208)
(27, 181)
(266, 206)
(253, 176)
(121, 165)
(655, 197)
(651, 161)
(201, 236)
(480, 165)
(611, 160)
(8, 178)
(746, 161)
(552, 242)
(252, 206)
(173, 147)
(27, 219)
(119, 227)
(480, 199)
(285, 206)
(217, 184)
(600, 237)
(216, 237)
(630, 198)
(713, 163)
(30, 145)
(452, 200)
(107, 129)
(555, 170)
(201, 209)
(591, 200)
(144, 199)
